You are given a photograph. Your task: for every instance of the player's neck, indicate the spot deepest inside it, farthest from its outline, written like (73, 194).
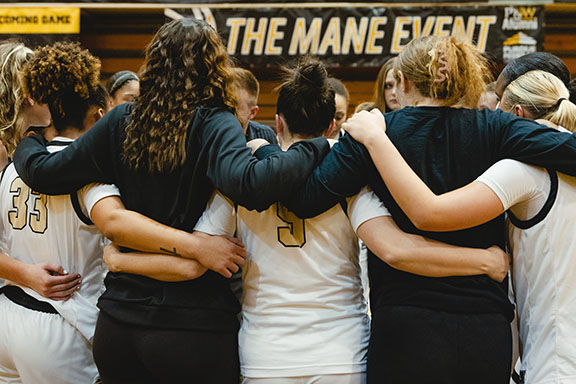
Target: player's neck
(70, 132)
(287, 139)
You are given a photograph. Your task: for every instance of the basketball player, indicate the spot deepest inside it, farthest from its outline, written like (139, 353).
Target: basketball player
(43, 340)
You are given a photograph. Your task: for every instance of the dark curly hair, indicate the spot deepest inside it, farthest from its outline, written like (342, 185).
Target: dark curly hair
(306, 98)
(65, 77)
(186, 67)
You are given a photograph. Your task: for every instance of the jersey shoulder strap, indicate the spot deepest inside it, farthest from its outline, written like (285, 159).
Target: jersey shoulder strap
(76, 205)
(525, 224)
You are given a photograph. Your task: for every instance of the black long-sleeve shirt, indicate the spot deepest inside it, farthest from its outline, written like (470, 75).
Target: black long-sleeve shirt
(216, 157)
(448, 148)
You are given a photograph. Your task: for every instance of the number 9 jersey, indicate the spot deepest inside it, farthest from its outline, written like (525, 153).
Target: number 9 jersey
(303, 309)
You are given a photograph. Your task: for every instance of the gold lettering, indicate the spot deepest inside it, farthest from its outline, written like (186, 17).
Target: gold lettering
(375, 34)
(274, 34)
(331, 37)
(235, 23)
(256, 36)
(400, 33)
(354, 35)
(305, 42)
(485, 23)
(441, 21)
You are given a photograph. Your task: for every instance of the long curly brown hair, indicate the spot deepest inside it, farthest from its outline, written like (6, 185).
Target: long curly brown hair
(186, 67)
(65, 77)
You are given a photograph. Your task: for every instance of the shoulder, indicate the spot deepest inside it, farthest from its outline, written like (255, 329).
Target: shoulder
(216, 126)
(114, 122)
(213, 118)
(205, 113)
(121, 112)
(510, 165)
(260, 131)
(8, 174)
(514, 181)
(258, 127)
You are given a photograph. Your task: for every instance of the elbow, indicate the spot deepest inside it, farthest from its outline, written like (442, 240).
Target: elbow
(194, 272)
(425, 222)
(110, 228)
(108, 232)
(391, 256)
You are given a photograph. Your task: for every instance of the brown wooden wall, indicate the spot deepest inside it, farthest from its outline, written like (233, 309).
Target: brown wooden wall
(119, 37)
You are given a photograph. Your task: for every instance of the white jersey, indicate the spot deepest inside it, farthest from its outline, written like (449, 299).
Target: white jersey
(544, 265)
(303, 311)
(36, 228)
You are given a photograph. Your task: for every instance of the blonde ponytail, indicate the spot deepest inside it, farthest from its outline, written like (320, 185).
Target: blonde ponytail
(564, 114)
(544, 95)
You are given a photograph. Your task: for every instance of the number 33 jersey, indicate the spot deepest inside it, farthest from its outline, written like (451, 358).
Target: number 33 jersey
(303, 310)
(36, 228)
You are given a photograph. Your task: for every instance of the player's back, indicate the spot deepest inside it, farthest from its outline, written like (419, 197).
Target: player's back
(302, 304)
(544, 265)
(37, 228)
(303, 308)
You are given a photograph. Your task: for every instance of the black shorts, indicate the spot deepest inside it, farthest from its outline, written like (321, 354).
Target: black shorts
(127, 354)
(418, 345)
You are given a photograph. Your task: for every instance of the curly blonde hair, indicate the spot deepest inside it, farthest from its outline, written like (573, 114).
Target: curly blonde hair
(65, 77)
(447, 69)
(186, 67)
(13, 56)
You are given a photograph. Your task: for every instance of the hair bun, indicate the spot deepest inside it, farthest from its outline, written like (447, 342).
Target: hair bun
(311, 73)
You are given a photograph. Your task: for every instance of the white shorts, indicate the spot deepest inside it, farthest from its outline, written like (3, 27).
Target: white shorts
(347, 378)
(42, 348)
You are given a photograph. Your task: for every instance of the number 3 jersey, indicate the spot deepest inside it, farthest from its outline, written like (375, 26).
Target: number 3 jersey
(36, 228)
(303, 310)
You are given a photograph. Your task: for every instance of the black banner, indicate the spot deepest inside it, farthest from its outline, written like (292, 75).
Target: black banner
(368, 36)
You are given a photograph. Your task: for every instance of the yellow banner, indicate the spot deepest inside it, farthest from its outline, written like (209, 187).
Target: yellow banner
(39, 20)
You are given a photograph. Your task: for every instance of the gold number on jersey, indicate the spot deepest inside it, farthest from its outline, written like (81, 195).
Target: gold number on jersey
(294, 233)
(39, 215)
(20, 195)
(18, 215)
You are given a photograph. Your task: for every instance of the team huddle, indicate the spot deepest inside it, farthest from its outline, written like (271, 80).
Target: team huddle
(121, 229)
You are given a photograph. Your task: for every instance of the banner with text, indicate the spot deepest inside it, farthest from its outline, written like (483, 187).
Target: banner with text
(39, 26)
(363, 36)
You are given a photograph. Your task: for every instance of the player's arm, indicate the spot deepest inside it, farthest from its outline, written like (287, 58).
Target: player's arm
(156, 266)
(133, 230)
(86, 160)
(466, 207)
(426, 257)
(247, 181)
(50, 281)
(416, 254)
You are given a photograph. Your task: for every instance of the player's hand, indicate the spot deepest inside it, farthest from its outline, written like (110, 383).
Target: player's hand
(110, 255)
(52, 281)
(498, 263)
(365, 126)
(222, 254)
(255, 144)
